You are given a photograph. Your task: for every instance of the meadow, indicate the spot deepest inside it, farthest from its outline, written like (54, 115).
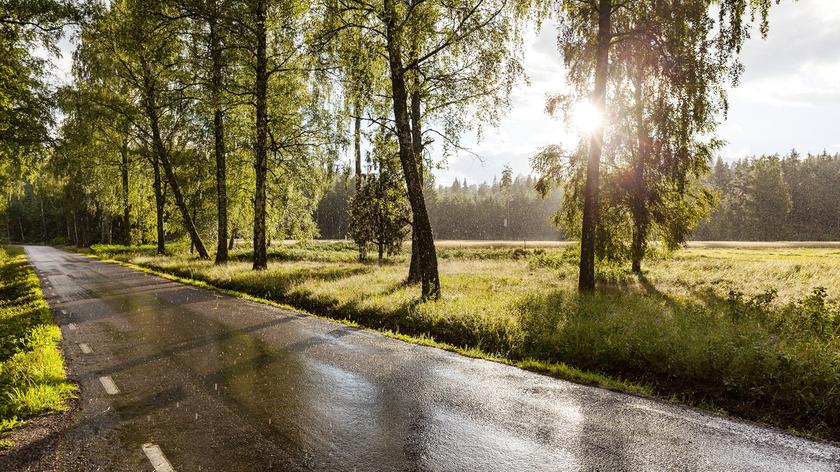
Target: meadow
(32, 377)
(752, 331)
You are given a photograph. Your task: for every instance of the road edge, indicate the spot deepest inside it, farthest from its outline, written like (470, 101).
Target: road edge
(558, 371)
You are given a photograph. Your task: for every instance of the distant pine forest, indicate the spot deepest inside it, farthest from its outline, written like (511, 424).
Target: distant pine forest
(768, 198)
(788, 197)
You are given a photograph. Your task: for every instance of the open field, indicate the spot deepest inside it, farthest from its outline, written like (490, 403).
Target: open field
(454, 243)
(32, 378)
(752, 331)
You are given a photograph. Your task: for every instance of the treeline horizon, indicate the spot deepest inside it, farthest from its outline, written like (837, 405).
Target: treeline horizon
(797, 193)
(775, 198)
(504, 209)
(791, 197)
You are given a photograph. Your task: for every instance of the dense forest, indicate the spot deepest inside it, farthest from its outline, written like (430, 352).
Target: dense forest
(767, 198)
(506, 209)
(792, 197)
(772, 198)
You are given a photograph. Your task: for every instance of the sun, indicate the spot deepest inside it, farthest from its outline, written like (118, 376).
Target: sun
(586, 118)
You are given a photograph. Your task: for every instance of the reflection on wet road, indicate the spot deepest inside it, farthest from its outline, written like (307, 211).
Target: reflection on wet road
(223, 384)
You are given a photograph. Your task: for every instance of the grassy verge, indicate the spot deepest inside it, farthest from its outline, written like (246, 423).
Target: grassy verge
(32, 378)
(744, 331)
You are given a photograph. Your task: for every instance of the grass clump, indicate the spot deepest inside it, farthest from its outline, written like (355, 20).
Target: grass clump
(32, 377)
(749, 331)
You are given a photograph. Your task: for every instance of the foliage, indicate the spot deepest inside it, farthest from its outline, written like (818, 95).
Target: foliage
(31, 367)
(657, 74)
(463, 212)
(26, 98)
(772, 198)
(380, 214)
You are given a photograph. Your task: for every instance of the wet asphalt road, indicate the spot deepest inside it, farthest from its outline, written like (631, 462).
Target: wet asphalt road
(218, 383)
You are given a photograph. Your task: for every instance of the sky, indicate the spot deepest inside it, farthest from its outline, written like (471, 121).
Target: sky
(789, 97)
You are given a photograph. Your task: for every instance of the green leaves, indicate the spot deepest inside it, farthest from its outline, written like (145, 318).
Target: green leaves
(670, 68)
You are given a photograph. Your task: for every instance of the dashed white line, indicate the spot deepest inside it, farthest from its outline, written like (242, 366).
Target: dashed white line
(85, 348)
(157, 458)
(71, 326)
(109, 385)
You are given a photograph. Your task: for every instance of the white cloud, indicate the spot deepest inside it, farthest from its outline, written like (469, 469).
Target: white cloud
(789, 96)
(525, 127)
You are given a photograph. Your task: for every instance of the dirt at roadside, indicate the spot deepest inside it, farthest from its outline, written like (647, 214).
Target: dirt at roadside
(36, 443)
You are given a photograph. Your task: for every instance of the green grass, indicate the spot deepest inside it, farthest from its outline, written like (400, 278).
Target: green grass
(32, 378)
(746, 331)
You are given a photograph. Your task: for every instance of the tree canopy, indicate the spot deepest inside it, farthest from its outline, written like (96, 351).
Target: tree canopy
(217, 120)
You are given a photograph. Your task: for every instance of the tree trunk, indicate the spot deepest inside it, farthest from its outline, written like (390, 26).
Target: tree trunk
(159, 206)
(192, 243)
(357, 144)
(125, 202)
(103, 225)
(232, 239)
(261, 144)
(219, 139)
(181, 204)
(75, 230)
(162, 154)
(639, 197)
(357, 150)
(586, 281)
(414, 273)
(43, 221)
(430, 280)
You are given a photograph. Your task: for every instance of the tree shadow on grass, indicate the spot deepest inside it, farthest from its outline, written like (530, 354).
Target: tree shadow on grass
(688, 347)
(272, 284)
(705, 296)
(14, 288)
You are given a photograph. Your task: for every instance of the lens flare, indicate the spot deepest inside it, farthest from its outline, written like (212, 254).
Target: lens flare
(586, 118)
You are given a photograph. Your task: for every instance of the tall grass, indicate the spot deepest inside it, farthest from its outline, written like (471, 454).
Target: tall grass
(32, 378)
(752, 331)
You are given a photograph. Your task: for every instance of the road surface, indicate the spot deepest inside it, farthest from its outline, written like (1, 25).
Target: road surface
(178, 378)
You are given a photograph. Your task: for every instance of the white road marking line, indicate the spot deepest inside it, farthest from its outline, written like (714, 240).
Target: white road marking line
(157, 458)
(109, 385)
(63, 312)
(85, 348)
(71, 326)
